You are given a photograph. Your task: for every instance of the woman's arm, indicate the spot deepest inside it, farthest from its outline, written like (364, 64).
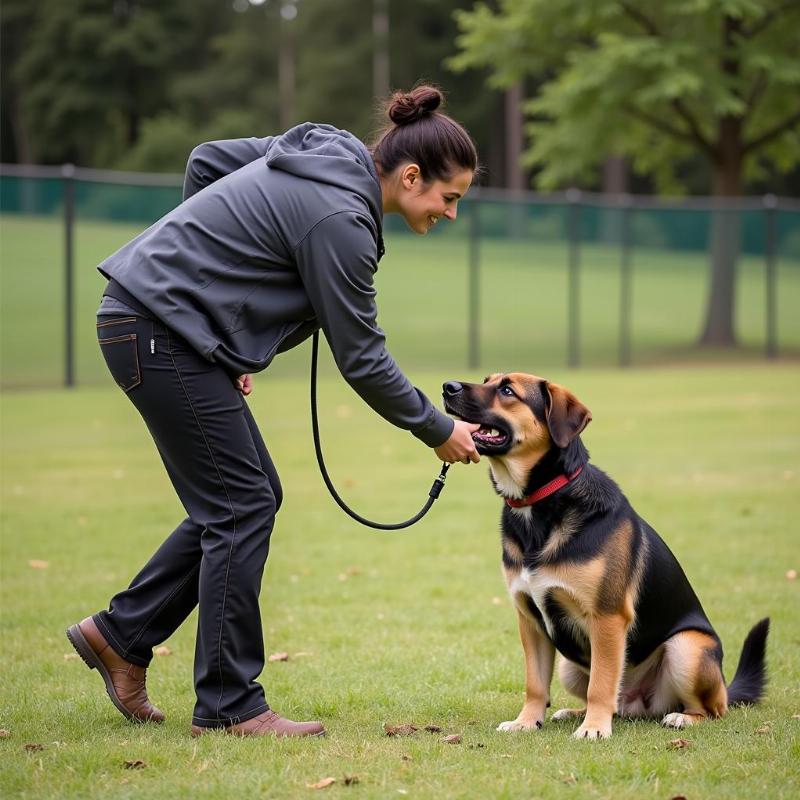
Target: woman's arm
(337, 261)
(211, 161)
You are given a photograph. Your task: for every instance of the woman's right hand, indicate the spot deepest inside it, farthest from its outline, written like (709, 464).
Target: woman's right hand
(459, 447)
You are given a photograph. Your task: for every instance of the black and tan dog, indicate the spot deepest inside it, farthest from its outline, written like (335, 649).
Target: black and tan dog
(589, 577)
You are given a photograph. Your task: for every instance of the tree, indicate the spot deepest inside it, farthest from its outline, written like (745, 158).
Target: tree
(658, 81)
(92, 70)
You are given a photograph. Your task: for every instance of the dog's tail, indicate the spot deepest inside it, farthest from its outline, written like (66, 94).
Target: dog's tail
(750, 679)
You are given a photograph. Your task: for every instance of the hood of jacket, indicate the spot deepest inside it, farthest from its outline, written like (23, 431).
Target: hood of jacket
(329, 155)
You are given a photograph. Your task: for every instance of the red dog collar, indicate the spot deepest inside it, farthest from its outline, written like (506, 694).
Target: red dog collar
(544, 491)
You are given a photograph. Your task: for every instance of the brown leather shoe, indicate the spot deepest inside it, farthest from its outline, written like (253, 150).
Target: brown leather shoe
(267, 724)
(124, 681)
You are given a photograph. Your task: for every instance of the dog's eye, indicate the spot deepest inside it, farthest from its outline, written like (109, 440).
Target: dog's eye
(507, 391)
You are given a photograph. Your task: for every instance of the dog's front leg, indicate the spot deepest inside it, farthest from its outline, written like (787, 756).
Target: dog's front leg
(539, 656)
(607, 640)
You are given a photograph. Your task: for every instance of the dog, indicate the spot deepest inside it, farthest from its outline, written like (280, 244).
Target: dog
(590, 578)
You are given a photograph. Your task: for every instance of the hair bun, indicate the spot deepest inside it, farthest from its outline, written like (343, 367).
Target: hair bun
(420, 102)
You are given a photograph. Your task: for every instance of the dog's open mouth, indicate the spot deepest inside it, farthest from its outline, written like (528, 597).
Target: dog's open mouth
(491, 437)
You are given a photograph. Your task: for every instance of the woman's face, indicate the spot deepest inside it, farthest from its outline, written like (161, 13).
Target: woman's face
(422, 204)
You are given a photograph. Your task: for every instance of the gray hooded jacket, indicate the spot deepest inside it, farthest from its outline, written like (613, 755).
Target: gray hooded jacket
(276, 238)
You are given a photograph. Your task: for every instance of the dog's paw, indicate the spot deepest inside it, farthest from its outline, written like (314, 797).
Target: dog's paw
(520, 725)
(677, 720)
(568, 713)
(593, 731)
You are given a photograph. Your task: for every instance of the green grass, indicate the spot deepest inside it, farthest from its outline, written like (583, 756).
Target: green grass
(423, 301)
(420, 629)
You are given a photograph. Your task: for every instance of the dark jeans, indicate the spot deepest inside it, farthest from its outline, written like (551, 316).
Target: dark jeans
(225, 478)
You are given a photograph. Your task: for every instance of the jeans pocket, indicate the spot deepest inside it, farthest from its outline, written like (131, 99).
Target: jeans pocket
(122, 357)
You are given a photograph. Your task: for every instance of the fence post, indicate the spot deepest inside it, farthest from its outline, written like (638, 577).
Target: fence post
(473, 345)
(68, 177)
(573, 296)
(770, 214)
(625, 305)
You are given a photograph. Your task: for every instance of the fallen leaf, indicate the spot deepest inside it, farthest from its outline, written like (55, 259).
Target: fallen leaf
(433, 729)
(794, 716)
(350, 780)
(324, 783)
(678, 744)
(35, 563)
(569, 779)
(4, 734)
(764, 729)
(791, 575)
(163, 651)
(279, 657)
(34, 747)
(71, 656)
(400, 730)
(506, 755)
(135, 763)
(453, 738)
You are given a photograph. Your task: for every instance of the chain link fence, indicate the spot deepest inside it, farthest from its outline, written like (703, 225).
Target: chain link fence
(519, 282)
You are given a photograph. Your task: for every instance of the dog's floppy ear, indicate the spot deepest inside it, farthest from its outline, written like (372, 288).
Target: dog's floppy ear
(566, 415)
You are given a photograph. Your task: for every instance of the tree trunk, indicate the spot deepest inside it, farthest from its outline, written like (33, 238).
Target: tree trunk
(515, 143)
(727, 162)
(719, 328)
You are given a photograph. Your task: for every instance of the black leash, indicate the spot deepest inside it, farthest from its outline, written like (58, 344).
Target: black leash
(435, 491)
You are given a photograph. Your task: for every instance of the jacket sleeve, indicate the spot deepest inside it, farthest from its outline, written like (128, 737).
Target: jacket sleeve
(211, 161)
(336, 261)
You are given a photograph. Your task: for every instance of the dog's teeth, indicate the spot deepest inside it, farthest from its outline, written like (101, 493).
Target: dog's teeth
(494, 432)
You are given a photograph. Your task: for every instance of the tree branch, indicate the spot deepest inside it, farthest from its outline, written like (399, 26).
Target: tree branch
(694, 134)
(657, 123)
(768, 19)
(756, 93)
(642, 19)
(694, 127)
(772, 133)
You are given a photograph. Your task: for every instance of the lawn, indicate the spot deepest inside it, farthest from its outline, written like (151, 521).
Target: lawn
(395, 628)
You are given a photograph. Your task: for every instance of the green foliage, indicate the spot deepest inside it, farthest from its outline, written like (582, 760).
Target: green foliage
(135, 84)
(657, 80)
(89, 71)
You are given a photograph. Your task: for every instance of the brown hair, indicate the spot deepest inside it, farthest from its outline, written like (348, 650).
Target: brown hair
(422, 135)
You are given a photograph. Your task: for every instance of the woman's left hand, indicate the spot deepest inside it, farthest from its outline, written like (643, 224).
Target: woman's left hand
(244, 383)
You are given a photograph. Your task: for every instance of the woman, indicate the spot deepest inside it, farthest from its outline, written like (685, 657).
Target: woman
(276, 238)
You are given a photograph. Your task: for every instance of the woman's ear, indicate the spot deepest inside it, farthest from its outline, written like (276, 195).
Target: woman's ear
(411, 177)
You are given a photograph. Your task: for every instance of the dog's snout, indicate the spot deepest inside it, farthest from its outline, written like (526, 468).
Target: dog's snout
(452, 388)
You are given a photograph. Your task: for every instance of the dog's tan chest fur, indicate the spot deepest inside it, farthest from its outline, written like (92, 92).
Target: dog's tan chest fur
(572, 587)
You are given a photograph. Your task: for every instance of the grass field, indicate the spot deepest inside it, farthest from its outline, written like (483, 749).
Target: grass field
(423, 301)
(412, 627)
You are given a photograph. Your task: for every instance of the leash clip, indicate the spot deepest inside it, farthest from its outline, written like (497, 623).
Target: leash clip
(438, 484)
